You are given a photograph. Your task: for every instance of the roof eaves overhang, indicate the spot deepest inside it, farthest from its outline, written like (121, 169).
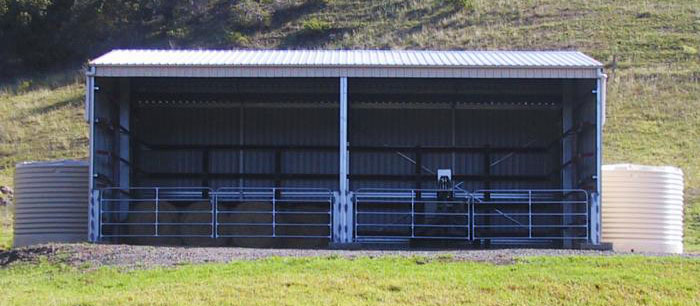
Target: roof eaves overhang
(387, 71)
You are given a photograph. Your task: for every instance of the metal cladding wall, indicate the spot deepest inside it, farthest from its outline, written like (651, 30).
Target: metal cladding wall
(193, 114)
(472, 128)
(103, 137)
(222, 126)
(585, 140)
(51, 202)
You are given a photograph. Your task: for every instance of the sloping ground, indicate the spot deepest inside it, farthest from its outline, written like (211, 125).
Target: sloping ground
(651, 49)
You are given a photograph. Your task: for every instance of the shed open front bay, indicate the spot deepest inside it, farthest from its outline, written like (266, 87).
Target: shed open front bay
(307, 148)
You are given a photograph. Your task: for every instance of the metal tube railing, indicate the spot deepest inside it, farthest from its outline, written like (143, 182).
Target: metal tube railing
(411, 213)
(515, 210)
(388, 214)
(279, 200)
(534, 204)
(144, 206)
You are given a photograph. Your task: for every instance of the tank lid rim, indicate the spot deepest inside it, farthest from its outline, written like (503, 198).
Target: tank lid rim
(52, 163)
(637, 167)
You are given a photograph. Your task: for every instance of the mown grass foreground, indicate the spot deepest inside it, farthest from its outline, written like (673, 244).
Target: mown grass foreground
(539, 280)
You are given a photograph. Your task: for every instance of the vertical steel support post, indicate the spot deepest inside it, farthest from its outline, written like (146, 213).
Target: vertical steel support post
(90, 117)
(453, 112)
(123, 139)
(241, 142)
(94, 212)
(345, 232)
(568, 147)
(596, 197)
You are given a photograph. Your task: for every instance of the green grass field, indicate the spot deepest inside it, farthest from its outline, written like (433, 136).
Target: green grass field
(654, 94)
(621, 280)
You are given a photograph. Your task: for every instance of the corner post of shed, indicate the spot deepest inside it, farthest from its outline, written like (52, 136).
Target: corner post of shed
(595, 226)
(93, 209)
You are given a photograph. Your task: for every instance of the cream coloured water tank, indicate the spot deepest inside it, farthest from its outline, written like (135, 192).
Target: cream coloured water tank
(51, 202)
(642, 208)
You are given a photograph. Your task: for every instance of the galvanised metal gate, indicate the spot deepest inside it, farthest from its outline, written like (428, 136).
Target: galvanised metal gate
(399, 214)
(156, 212)
(273, 213)
(552, 214)
(378, 214)
(204, 212)
(385, 214)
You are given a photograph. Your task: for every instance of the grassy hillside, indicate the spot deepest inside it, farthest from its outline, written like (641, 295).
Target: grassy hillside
(651, 48)
(39, 124)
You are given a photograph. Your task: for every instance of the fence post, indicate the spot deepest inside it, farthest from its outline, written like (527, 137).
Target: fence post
(594, 221)
(214, 212)
(350, 217)
(274, 208)
(470, 216)
(95, 217)
(413, 214)
(157, 202)
(529, 212)
(335, 216)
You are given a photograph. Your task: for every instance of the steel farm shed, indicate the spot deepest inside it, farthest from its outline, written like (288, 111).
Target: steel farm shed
(311, 147)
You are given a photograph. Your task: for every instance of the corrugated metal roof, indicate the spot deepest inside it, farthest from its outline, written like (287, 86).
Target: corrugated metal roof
(347, 58)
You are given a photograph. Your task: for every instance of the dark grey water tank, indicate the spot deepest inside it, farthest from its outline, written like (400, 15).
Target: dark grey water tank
(51, 202)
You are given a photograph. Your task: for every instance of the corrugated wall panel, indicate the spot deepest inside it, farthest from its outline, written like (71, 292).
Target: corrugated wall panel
(103, 138)
(473, 128)
(585, 141)
(221, 126)
(292, 127)
(368, 127)
(187, 125)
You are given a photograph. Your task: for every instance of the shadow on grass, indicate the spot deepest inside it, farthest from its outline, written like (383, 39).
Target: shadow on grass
(37, 80)
(287, 14)
(312, 39)
(45, 109)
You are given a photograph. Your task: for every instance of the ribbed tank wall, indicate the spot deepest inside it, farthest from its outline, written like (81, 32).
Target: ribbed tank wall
(642, 208)
(51, 202)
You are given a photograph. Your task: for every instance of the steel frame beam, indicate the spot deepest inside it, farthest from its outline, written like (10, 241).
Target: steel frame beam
(316, 176)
